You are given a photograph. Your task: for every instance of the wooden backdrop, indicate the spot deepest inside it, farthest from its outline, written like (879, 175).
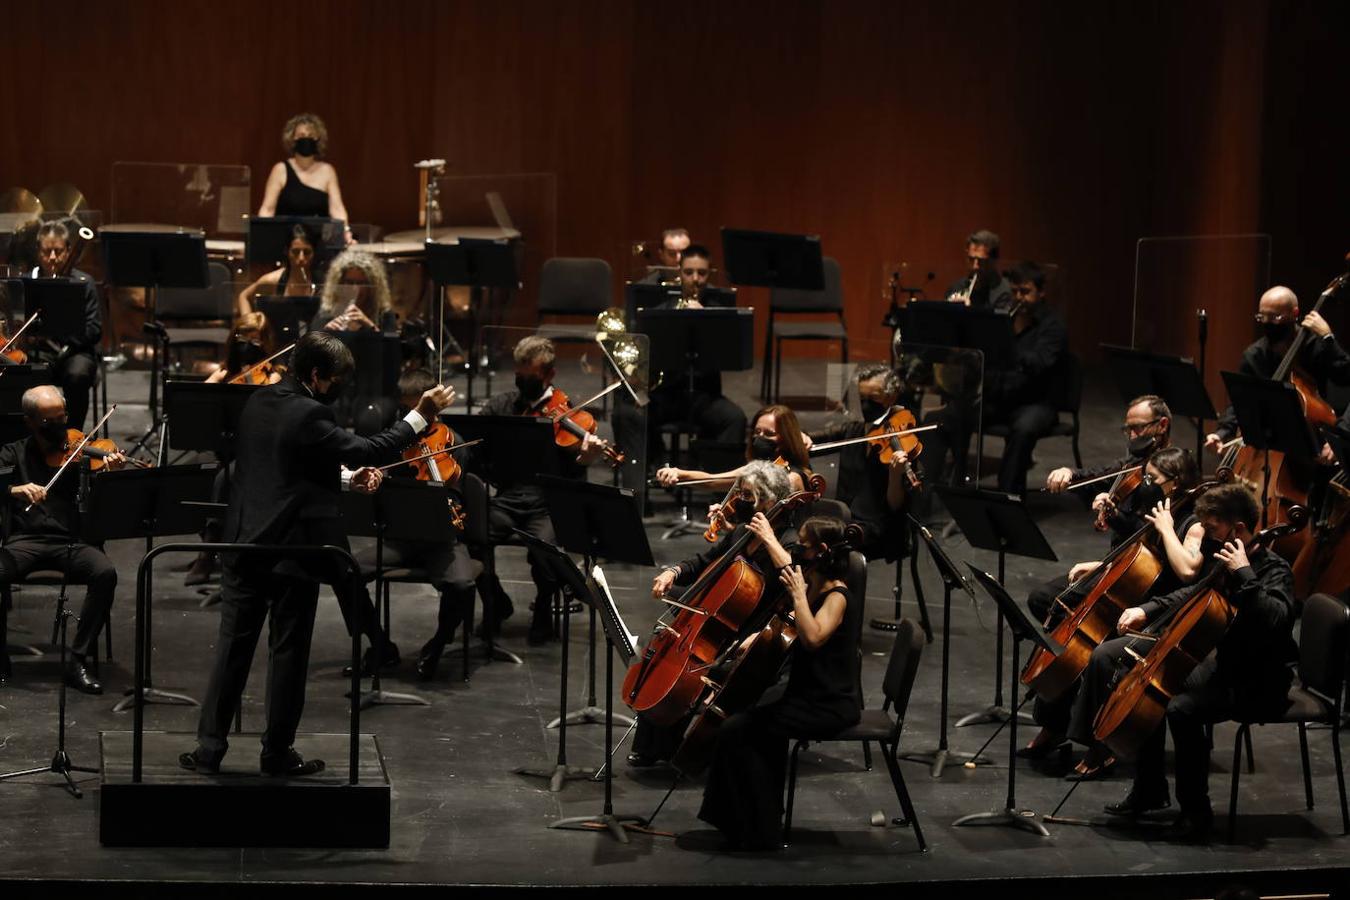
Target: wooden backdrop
(890, 128)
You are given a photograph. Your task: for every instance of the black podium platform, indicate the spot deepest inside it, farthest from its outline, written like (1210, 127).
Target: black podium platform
(240, 807)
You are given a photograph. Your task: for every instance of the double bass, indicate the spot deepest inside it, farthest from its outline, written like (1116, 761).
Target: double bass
(1193, 630)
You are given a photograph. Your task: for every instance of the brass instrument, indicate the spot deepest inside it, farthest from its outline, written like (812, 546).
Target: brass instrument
(622, 348)
(429, 193)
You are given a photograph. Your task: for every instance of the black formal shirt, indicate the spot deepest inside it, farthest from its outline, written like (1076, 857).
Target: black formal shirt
(510, 490)
(1324, 359)
(58, 514)
(1035, 374)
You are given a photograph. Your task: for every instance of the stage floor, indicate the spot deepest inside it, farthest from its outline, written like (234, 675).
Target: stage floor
(461, 817)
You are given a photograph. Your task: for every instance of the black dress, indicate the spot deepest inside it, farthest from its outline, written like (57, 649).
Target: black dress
(299, 199)
(744, 794)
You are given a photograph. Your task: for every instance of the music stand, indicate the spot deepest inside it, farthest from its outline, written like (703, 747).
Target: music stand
(1023, 627)
(269, 238)
(61, 304)
(205, 417)
(1174, 378)
(152, 260)
(942, 323)
(477, 264)
(285, 315)
(14, 380)
(769, 259)
(952, 579)
(992, 520)
(411, 511)
(147, 503)
(1270, 415)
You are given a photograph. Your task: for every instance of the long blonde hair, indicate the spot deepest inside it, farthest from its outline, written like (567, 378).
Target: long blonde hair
(372, 268)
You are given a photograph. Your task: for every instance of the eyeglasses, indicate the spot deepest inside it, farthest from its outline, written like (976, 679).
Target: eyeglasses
(1263, 319)
(1129, 429)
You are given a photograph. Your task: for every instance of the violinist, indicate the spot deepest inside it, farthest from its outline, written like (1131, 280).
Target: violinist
(982, 285)
(1323, 359)
(295, 279)
(1249, 673)
(1168, 473)
(286, 490)
(523, 506)
(877, 495)
(757, 488)
(777, 434)
(448, 566)
(743, 797)
(242, 353)
(47, 535)
(73, 366)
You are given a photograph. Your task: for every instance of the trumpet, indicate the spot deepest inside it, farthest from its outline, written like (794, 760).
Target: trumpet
(690, 299)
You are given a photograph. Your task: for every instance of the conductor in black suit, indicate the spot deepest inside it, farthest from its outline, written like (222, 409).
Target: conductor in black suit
(286, 490)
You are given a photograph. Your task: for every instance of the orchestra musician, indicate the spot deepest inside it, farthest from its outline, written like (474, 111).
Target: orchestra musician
(1022, 395)
(1249, 673)
(295, 279)
(759, 485)
(1323, 358)
(1168, 473)
(47, 535)
(982, 285)
(674, 241)
(777, 434)
(355, 296)
(73, 367)
(743, 796)
(288, 474)
(521, 505)
(305, 184)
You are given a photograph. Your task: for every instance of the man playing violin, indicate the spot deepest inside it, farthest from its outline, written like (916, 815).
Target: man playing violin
(1249, 673)
(47, 535)
(73, 367)
(286, 489)
(521, 505)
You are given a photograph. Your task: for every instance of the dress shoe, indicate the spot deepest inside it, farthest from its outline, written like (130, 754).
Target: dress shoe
(1096, 764)
(289, 764)
(1044, 744)
(196, 761)
(78, 677)
(204, 568)
(1137, 803)
(430, 658)
(642, 761)
(1190, 828)
(539, 634)
(389, 661)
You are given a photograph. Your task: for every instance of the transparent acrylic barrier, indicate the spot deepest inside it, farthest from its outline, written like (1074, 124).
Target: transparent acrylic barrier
(215, 199)
(19, 238)
(640, 259)
(587, 363)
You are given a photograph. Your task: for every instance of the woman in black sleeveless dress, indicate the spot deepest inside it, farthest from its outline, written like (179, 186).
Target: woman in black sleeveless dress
(744, 794)
(304, 184)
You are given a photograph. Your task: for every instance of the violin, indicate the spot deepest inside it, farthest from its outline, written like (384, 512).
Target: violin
(718, 522)
(97, 450)
(572, 424)
(430, 461)
(1126, 483)
(893, 435)
(9, 350)
(261, 371)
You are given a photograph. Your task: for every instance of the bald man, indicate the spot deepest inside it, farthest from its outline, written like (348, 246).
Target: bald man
(1322, 358)
(47, 535)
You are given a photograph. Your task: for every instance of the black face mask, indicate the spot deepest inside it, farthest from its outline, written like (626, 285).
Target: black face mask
(53, 433)
(763, 448)
(872, 410)
(1277, 332)
(742, 510)
(328, 397)
(1142, 445)
(305, 147)
(531, 387)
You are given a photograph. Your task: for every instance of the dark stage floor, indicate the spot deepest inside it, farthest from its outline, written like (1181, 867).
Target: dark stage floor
(460, 816)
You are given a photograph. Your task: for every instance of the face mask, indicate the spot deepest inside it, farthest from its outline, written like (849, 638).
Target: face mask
(328, 397)
(305, 147)
(1276, 332)
(742, 509)
(1142, 445)
(531, 387)
(53, 432)
(872, 410)
(763, 448)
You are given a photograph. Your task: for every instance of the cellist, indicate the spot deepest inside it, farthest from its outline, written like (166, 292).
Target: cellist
(1168, 473)
(1250, 671)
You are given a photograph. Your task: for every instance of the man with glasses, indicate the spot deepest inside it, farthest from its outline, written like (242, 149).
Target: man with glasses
(1322, 358)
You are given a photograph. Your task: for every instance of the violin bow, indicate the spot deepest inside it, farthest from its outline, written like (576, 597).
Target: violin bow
(613, 387)
(1107, 476)
(443, 450)
(822, 448)
(258, 365)
(70, 457)
(22, 328)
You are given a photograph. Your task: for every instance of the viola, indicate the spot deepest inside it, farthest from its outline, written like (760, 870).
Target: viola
(571, 425)
(887, 443)
(1137, 706)
(1126, 483)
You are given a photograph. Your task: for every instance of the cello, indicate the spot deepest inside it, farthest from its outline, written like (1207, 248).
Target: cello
(668, 680)
(1123, 579)
(1193, 630)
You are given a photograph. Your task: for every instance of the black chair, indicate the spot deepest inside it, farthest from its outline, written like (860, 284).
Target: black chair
(878, 725)
(49, 578)
(856, 579)
(1067, 400)
(575, 286)
(1316, 698)
(197, 317)
(475, 493)
(829, 301)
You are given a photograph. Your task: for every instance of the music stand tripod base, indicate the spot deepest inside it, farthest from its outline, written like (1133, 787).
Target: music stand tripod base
(557, 776)
(992, 715)
(151, 695)
(1024, 819)
(615, 825)
(938, 760)
(591, 715)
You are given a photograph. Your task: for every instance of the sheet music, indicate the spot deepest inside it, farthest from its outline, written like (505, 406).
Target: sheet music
(598, 576)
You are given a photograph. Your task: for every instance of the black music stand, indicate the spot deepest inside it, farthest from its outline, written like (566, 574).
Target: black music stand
(147, 503)
(14, 380)
(1270, 416)
(1174, 378)
(205, 417)
(946, 324)
(269, 238)
(769, 259)
(597, 521)
(60, 302)
(285, 315)
(379, 357)
(398, 511)
(479, 265)
(1023, 627)
(152, 260)
(992, 520)
(952, 579)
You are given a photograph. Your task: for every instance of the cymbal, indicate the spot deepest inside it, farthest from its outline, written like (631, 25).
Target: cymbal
(62, 197)
(19, 200)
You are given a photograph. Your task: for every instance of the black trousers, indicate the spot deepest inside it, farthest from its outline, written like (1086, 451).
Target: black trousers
(1108, 660)
(505, 514)
(450, 569)
(715, 417)
(743, 797)
(1052, 715)
(1027, 424)
(659, 742)
(74, 373)
(81, 563)
(249, 599)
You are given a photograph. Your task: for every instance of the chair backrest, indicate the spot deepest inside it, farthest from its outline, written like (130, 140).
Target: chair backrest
(1322, 646)
(474, 491)
(574, 286)
(212, 302)
(831, 299)
(856, 579)
(903, 667)
(836, 509)
(1069, 395)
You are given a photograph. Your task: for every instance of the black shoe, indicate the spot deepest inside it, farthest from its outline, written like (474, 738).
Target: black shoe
(1137, 803)
(430, 657)
(289, 764)
(6, 667)
(1190, 828)
(197, 762)
(78, 677)
(539, 634)
(1042, 746)
(642, 761)
(204, 568)
(502, 609)
(389, 661)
